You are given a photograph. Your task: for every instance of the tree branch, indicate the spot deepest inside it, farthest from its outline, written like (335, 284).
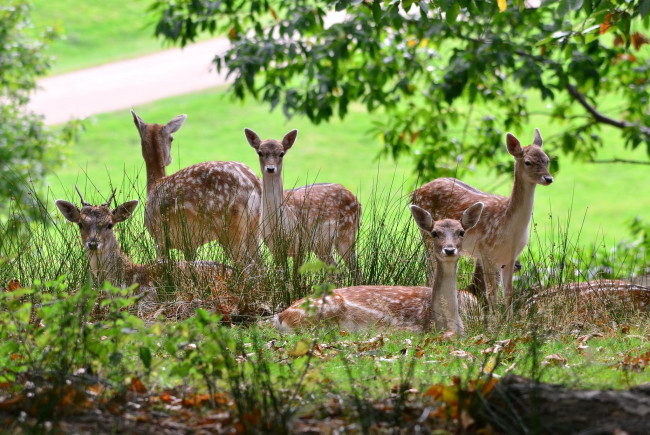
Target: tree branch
(599, 117)
(617, 160)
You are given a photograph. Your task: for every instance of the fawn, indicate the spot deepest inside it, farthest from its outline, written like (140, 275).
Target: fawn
(203, 202)
(502, 234)
(398, 306)
(108, 262)
(319, 217)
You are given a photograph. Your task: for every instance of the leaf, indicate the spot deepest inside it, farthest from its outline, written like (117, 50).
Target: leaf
(145, 357)
(554, 360)
(452, 13)
(638, 40)
(606, 24)
(137, 386)
(502, 5)
(232, 33)
(14, 284)
(273, 14)
(301, 348)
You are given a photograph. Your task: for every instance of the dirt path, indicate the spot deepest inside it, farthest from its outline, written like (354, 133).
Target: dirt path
(128, 83)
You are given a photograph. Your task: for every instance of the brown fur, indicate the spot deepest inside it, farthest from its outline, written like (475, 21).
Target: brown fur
(204, 202)
(320, 217)
(502, 233)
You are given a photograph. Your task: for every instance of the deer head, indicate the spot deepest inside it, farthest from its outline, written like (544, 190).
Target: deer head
(271, 151)
(447, 234)
(531, 160)
(96, 224)
(156, 139)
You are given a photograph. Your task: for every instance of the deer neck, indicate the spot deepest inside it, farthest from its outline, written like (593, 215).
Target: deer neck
(274, 211)
(155, 172)
(522, 197)
(111, 265)
(444, 279)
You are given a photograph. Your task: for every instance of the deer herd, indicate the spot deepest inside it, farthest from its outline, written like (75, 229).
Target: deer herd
(226, 202)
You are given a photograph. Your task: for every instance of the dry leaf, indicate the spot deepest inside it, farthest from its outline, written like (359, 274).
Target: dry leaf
(502, 5)
(137, 386)
(554, 360)
(301, 348)
(606, 24)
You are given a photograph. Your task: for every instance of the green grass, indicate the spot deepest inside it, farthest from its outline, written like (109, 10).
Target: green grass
(606, 196)
(96, 32)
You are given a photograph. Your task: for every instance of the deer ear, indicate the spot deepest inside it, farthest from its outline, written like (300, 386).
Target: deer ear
(68, 210)
(175, 124)
(471, 216)
(289, 139)
(514, 147)
(538, 138)
(139, 123)
(422, 218)
(252, 138)
(124, 211)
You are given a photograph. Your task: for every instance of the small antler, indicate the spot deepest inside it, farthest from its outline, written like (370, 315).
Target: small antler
(108, 203)
(83, 201)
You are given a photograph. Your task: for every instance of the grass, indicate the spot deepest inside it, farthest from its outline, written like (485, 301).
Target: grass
(596, 196)
(95, 33)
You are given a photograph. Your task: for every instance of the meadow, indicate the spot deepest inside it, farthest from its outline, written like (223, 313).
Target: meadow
(69, 345)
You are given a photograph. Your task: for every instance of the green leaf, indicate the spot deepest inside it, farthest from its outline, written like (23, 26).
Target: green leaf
(452, 13)
(567, 6)
(145, 357)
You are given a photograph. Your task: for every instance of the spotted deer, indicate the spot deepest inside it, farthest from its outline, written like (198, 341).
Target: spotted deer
(397, 306)
(502, 234)
(318, 217)
(108, 262)
(204, 202)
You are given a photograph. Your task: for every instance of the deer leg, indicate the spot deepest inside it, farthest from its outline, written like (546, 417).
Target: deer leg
(478, 287)
(347, 249)
(507, 272)
(491, 274)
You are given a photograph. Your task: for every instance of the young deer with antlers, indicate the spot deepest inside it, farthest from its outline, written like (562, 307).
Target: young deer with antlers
(318, 217)
(502, 234)
(401, 307)
(203, 202)
(108, 262)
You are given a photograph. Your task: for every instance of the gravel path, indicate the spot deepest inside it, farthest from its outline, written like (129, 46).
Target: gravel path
(128, 83)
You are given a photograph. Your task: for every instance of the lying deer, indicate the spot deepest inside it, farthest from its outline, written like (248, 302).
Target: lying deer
(109, 263)
(318, 217)
(503, 232)
(204, 202)
(403, 307)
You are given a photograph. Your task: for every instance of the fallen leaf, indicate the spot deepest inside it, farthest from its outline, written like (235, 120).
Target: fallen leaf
(301, 348)
(137, 386)
(554, 360)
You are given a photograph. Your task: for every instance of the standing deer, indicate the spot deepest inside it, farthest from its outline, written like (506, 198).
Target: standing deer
(108, 262)
(503, 232)
(401, 307)
(319, 217)
(201, 203)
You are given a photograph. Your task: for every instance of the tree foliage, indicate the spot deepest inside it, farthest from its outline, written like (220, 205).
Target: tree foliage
(28, 149)
(447, 78)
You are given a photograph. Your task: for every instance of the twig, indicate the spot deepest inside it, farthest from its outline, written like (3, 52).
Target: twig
(617, 160)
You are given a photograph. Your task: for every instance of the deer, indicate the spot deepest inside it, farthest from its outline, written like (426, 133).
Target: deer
(210, 201)
(108, 262)
(501, 236)
(318, 217)
(400, 307)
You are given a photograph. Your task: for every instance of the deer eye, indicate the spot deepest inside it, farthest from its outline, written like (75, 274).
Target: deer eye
(461, 233)
(259, 153)
(281, 154)
(109, 226)
(171, 138)
(434, 234)
(79, 223)
(527, 163)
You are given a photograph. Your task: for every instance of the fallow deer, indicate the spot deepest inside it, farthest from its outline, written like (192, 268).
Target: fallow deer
(319, 217)
(398, 306)
(503, 232)
(108, 262)
(204, 202)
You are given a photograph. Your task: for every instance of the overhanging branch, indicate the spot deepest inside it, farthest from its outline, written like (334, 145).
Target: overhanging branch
(617, 160)
(599, 117)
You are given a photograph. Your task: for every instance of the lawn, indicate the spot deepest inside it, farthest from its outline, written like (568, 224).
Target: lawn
(596, 196)
(94, 32)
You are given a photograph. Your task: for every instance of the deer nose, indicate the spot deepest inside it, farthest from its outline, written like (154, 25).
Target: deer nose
(548, 179)
(92, 244)
(270, 169)
(450, 251)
